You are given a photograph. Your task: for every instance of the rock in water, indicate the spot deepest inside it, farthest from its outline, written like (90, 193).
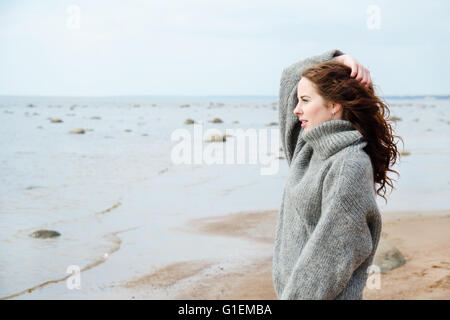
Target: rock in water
(43, 234)
(77, 131)
(216, 120)
(216, 137)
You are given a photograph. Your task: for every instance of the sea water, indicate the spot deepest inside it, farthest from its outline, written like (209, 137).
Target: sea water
(118, 199)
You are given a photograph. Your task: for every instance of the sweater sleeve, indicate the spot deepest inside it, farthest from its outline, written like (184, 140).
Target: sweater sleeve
(290, 127)
(341, 240)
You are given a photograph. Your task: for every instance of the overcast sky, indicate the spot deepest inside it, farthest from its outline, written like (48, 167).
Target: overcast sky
(182, 47)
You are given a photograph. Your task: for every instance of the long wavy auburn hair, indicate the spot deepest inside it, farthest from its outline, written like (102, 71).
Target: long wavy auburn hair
(367, 112)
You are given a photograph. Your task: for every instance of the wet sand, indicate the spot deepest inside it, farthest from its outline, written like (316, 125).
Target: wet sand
(424, 242)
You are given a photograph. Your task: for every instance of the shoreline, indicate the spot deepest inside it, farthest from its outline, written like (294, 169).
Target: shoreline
(422, 240)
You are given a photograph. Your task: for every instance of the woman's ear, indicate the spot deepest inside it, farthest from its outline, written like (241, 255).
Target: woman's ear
(335, 107)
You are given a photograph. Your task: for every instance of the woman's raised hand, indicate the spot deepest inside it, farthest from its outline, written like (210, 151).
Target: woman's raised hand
(358, 70)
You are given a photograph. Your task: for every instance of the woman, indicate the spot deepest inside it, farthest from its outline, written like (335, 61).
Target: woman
(338, 145)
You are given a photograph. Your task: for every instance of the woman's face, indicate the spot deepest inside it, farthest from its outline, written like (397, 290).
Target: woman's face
(311, 106)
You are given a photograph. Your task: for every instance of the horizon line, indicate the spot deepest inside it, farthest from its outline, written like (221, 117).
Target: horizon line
(445, 96)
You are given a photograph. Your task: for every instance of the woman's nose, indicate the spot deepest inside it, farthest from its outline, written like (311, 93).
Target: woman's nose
(297, 110)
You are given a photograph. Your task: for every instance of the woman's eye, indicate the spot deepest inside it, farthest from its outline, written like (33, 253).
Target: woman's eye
(304, 100)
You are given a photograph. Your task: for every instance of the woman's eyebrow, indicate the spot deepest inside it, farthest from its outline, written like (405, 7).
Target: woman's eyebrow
(305, 96)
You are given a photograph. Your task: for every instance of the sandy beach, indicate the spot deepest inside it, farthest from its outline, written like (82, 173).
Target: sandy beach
(140, 226)
(422, 240)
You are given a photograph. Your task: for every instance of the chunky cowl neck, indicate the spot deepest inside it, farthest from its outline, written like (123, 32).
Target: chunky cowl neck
(332, 136)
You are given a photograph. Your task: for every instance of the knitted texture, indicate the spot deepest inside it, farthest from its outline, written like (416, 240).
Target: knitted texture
(329, 223)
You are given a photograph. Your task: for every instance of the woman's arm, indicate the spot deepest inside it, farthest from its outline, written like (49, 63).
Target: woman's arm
(290, 127)
(358, 70)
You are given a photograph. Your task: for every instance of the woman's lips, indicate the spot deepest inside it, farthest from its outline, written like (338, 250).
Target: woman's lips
(304, 123)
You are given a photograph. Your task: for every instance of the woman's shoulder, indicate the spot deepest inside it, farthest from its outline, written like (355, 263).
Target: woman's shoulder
(353, 152)
(352, 164)
(354, 156)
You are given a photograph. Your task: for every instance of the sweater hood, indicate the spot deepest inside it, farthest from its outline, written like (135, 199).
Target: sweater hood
(332, 136)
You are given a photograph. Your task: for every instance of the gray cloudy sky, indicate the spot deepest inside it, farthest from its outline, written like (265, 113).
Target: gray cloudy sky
(182, 47)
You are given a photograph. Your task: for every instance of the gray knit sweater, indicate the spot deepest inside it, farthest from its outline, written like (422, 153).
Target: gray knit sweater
(329, 223)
